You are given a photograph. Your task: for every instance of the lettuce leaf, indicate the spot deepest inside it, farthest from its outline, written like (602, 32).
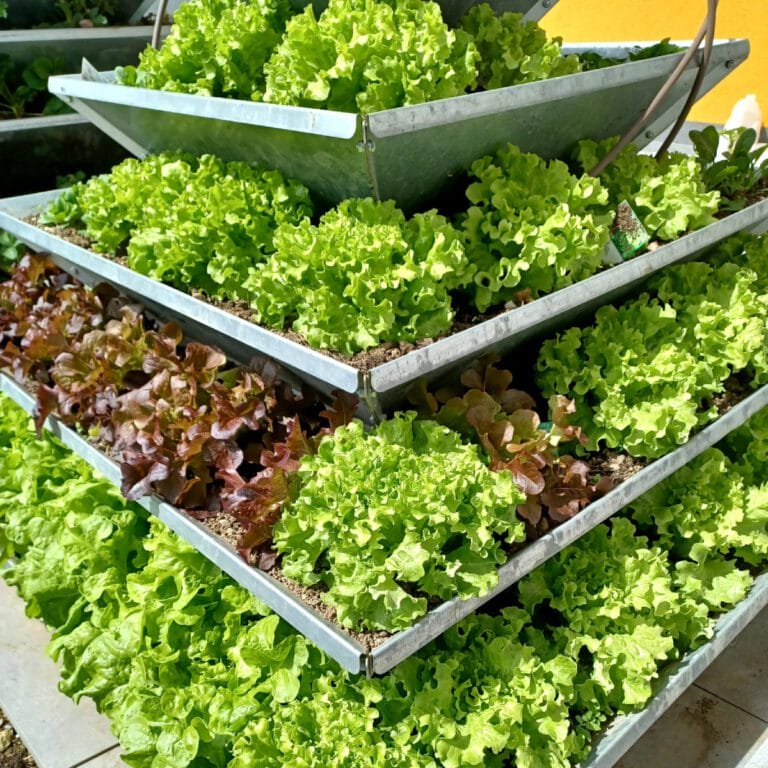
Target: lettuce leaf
(364, 275)
(513, 50)
(532, 227)
(370, 55)
(389, 518)
(189, 222)
(215, 48)
(643, 375)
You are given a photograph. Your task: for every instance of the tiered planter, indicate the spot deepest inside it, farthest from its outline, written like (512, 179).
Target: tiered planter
(412, 154)
(333, 639)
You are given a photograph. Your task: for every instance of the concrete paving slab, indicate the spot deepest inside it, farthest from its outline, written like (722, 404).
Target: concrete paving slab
(740, 675)
(58, 733)
(699, 731)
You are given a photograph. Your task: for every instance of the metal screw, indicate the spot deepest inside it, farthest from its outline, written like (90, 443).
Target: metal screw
(547, 3)
(649, 134)
(730, 64)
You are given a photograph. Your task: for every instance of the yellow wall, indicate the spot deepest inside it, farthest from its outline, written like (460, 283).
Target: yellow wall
(592, 20)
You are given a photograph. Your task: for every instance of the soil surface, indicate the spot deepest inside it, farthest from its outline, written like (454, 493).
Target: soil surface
(737, 387)
(13, 753)
(618, 466)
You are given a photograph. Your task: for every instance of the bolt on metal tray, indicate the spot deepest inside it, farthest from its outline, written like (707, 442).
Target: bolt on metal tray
(625, 730)
(333, 639)
(410, 154)
(383, 387)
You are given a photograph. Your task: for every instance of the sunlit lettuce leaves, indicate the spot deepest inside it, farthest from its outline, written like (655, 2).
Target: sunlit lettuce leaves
(532, 226)
(389, 518)
(706, 509)
(75, 535)
(354, 56)
(514, 51)
(748, 447)
(643, 374)
(669, 194)
(363, 275)
(610, 602)
(190, 222)
(215, 48)
(370, 55)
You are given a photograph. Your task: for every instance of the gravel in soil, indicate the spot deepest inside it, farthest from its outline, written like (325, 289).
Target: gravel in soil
(13, 753)
(618, 466)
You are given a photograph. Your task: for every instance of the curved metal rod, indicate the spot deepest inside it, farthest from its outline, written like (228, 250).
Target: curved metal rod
(157, 31)
(638, 125)
(693, 95)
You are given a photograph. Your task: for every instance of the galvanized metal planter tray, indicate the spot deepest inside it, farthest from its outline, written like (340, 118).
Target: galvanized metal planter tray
(23, 14)
(35, 150)
(410, 154)
(103, 46)
(627, 729)
(382, 387)
(333, 639)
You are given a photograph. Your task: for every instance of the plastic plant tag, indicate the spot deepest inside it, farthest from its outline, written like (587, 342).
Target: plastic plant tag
(610, 255)
(627, 232)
